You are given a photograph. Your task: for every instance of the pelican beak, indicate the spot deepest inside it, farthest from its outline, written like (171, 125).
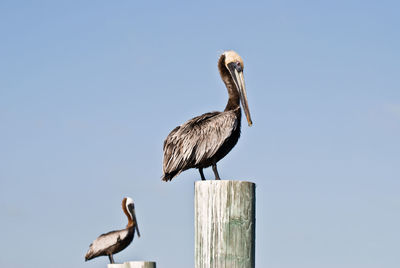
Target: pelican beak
(131, 208)
(137, 229)
(237, 75)
(135, 222)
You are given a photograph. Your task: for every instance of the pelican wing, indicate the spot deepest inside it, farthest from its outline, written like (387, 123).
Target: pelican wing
(196, 140)
(100, 246)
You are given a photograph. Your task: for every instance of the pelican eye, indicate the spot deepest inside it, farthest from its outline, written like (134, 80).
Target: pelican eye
(239, 67)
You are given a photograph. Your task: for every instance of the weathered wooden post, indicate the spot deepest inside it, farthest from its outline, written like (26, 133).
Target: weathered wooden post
(134, 264)
(224, 224)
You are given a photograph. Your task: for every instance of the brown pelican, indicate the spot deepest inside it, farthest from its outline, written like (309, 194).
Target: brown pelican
(204, 140)
(115, 241)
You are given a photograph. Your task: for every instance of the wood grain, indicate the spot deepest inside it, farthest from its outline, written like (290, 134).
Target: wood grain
(224, 224)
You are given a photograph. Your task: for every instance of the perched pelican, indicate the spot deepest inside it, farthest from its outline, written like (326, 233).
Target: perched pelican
(115, 241)
(204, 140)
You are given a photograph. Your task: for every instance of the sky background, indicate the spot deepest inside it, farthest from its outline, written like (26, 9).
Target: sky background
(90, 89)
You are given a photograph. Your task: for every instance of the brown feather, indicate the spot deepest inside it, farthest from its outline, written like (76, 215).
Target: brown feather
(130, 220)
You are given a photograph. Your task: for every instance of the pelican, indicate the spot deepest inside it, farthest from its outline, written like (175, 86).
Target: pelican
(115, 241)
(204, 140)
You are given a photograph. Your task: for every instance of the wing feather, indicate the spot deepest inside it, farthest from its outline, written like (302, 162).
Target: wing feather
(104, 242)
(197, 140)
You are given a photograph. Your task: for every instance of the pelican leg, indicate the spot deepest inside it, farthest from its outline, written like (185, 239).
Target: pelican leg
(110, 256)
(202, 174)
(214, 168)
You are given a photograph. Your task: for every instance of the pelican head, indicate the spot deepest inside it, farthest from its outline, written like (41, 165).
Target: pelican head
(234, 64)
(129, 207)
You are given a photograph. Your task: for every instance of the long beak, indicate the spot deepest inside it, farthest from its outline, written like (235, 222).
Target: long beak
(239, 81)
(137, 229)
(135, 222)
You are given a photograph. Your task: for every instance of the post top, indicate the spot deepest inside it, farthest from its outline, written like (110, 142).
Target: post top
(140, 262)
(222, 182)
(133, 264)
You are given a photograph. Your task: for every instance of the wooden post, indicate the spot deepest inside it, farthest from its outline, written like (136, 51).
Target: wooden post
(224, 224)
(134, 264)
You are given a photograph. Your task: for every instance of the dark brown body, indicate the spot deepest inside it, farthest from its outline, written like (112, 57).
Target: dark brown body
(121, 238)
(230, 142)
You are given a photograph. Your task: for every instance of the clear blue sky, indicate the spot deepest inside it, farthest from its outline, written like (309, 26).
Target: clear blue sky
(90, 89)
